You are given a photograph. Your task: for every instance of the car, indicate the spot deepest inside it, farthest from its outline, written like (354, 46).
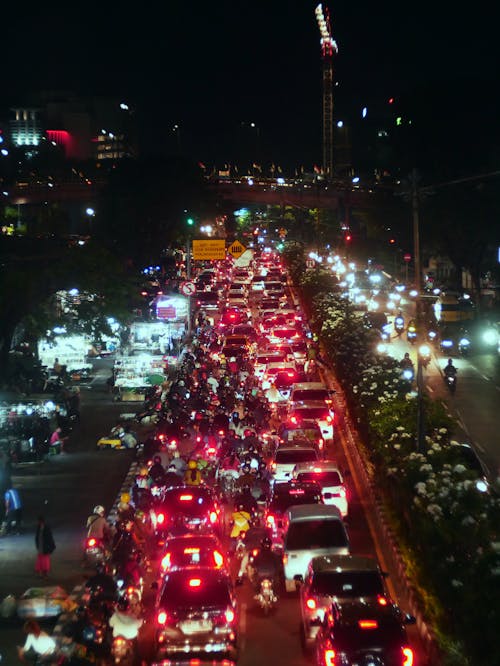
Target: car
(193, 550)
(275, 368)
(287, 456)
(206, 300)
(245, 329)
(187, 508)
(231, 316)
(466, 455)
(283, 381)
(299, 348)
(287, 494)
(236, 301)
(257, 284)
(305, 433)
(339, 579)
(284, 334)
(263, 358)
(269, 302)
(196, 614)
(328, 475)
(241, 341)
(359, 632)
(311, 391)
(316, 410)
(310, 530)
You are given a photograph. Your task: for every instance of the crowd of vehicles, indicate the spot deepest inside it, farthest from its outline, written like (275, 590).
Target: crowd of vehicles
(239, 484)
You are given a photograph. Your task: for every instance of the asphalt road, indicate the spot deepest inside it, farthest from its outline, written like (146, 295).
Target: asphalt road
(65, 490)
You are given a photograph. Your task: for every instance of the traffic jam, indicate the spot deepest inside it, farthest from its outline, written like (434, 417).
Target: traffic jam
(242, 536)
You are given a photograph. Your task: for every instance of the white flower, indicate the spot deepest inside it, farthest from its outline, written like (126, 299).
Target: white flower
(421, 488)
(435, 510)
(459, 469)
(468, 520)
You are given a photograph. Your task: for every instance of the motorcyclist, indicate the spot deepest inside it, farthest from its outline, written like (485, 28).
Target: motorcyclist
(399, 322)
(406, 363)
(266, 564)
(125, 624)
(157, 471)
(192, 476)
(450, 370)
(125, 510)
(100, 588)
(98, 527)
(240, 521)
(172, 477)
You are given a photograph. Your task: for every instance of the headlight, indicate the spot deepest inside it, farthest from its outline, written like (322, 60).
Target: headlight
(490, 337)
(447, 343)
(464, 342)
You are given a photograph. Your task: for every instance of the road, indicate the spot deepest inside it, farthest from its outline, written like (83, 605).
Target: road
(66, 488)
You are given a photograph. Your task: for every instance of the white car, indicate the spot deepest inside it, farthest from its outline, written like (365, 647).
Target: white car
(287, 457)
(314, 410)
(329, 477)
(272, 369)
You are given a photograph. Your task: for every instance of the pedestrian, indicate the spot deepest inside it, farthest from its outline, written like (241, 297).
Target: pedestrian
(45, 546)
(57, 441)
(38, 645)
(13, 510)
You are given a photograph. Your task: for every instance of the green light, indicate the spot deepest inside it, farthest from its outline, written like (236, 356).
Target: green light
(190, 221)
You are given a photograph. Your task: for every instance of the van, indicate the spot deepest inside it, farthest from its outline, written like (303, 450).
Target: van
(310, 530)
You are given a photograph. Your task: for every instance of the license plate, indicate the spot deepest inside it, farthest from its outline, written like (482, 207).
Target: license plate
(93, 551)
(195, 626)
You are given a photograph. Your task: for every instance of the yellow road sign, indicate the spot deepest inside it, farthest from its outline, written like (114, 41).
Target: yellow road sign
(236, 249)
(209, 249)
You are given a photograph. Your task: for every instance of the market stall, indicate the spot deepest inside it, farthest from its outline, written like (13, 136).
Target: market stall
(71, 351)
(134, 374)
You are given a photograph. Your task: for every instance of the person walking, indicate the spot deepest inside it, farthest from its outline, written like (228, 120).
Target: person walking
(13, 511)
(45, 546)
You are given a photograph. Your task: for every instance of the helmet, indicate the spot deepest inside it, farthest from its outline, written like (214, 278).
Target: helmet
(450, 362)
(407, 355)
(266, 543)
(99, 510)
(192, 464)
(125, 498)
(157, 460)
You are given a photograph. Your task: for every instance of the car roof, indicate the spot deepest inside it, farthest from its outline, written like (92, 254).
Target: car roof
(341, 563)
(305, 511)
(303, 386)
(321, 465)
(287, 486)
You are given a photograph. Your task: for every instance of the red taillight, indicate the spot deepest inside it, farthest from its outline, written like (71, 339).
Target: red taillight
(367, 624)
(270, 520)
(407, 656)
(161, 618)
(294, 419)
(382, 600)
(255, 552)
(273, 467)
(321, 444)
(229, 615)
(91, 542)
(194, 582)
(165, 563)
(343, 492)
(160, 518)
(211, 451)
(330, 657)
(329, 419)
(161, 436)
(186, 498)
(213, 517)
(311, 604)
(221, 432)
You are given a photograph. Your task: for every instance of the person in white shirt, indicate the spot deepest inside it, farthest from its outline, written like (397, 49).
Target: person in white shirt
(38, 643)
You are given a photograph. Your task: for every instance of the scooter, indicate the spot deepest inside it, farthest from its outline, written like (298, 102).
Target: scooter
(95, 552)
(399, 325)
(122, 651)
(451, 382)
(266, 597)
(411, 335)
(464, 345)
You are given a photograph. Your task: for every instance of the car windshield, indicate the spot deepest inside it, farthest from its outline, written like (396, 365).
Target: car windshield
(312, 413)
(263, 359)
(311, 394)
(348, 583)
(316, 533)
(186, 503)
(292, 457)
(208, 591)
(323, 478)
(301, 435)
(284, 333)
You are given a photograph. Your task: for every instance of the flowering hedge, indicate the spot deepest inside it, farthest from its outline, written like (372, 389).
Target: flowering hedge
(444, 523)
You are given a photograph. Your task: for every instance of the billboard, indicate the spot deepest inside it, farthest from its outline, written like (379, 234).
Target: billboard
(209, 249)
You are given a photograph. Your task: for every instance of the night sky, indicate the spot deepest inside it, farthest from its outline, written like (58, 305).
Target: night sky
(210, 67)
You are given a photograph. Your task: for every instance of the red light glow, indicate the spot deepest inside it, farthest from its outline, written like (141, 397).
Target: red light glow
(368, 624)
(194, 582)
(408, 656)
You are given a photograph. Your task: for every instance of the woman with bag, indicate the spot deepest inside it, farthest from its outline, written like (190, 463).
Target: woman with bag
(45, 547)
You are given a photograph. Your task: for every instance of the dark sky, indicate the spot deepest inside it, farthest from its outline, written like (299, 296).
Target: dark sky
(211, 66)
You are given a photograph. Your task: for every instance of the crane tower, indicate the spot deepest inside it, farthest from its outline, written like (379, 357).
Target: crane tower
(328, 49)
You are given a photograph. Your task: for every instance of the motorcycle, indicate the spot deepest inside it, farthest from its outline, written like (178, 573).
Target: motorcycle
(122, 651)
(95, 552)
(265, 596)
(464, 345)
(411, 335)
(451, 382)
(424, 354)
(399, 325)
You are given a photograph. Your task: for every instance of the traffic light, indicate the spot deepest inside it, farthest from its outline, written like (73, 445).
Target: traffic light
(348, 238)
(190, 221)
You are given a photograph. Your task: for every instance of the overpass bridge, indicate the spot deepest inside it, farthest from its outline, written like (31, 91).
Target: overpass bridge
(264, 192)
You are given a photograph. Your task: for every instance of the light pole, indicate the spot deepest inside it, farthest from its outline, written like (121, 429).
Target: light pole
(190, 225)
